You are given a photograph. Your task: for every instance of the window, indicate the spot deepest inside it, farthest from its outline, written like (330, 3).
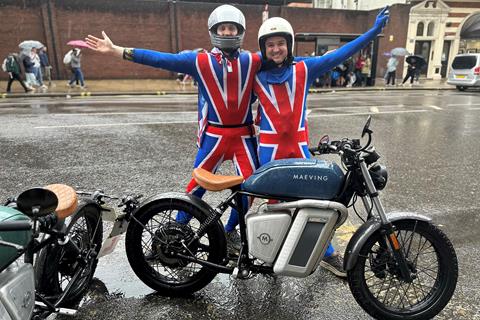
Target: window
(430, 28)
(420, 28)
(464, 62)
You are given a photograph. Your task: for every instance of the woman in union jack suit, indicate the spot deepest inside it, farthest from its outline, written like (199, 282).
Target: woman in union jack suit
(225, 81)
(282, 87)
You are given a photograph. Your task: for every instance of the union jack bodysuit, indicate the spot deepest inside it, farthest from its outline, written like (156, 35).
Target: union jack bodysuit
(282, 94)
(225, 86)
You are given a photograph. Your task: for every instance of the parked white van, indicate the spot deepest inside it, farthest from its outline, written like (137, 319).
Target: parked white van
(465, 71)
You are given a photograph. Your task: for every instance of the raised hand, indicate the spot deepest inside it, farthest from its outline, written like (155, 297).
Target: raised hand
(104, 45)
(382, 18)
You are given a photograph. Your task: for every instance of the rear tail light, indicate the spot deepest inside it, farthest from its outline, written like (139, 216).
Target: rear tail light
(476, 71)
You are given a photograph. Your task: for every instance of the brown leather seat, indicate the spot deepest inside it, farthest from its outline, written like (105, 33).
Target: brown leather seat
(67, 199)
(215, 182)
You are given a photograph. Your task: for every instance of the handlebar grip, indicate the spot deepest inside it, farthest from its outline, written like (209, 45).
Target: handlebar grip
(48, 222)
(22, 225)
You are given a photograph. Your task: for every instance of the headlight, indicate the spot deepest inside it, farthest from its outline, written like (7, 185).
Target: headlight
(379, 176)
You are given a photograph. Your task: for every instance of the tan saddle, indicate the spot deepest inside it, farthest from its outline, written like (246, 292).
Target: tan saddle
(215, 182)
(67, 199)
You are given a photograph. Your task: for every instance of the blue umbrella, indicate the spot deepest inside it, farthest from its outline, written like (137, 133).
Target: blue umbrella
(399, 52)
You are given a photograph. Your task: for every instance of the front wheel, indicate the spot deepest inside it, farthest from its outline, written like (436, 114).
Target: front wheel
(153, 239)
(58, 271)
(375, 279)
(461, 88)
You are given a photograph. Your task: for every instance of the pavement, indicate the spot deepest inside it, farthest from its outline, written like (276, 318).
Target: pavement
(59, 88)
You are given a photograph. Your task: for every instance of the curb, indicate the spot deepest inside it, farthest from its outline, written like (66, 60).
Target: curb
(162, 93)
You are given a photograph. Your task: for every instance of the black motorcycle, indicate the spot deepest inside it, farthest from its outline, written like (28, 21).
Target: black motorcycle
(399, 265)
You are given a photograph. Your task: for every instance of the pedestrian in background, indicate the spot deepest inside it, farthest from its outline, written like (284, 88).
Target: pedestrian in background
(366, 71)
(359, 63)
(411, 71)
(37, 71)
(75, 64)
(391, 70)
(45, 65)
(27, 62)
(11, 64)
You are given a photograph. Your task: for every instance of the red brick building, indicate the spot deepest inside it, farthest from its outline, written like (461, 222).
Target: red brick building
(167, 26)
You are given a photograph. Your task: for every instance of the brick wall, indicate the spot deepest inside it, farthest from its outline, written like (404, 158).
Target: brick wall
(163, 26)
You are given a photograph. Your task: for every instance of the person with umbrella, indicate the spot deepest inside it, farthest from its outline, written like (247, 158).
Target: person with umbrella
(74, 61)
(76, 65)
(392, 70)
(28, 65)
(415, 64)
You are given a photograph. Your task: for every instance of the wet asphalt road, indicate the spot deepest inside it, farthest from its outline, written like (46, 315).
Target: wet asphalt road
(428, 140)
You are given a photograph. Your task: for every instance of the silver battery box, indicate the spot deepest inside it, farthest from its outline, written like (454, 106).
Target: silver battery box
(17, 292)
(306, 242)
(266, 232)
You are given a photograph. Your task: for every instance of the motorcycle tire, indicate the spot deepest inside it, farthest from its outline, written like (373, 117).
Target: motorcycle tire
(374, 280)
(55, 266)
(149, 249)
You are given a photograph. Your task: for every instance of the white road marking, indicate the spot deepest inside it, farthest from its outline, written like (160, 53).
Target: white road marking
(123, 113)
(115, 124)
(364, 113)
(435, 107)
(462, 104)
(374, 109)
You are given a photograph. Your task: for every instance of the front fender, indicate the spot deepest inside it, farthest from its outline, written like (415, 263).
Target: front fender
(191, 199)
(368, 229)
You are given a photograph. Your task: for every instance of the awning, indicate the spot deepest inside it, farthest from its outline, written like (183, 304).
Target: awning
(471, 28)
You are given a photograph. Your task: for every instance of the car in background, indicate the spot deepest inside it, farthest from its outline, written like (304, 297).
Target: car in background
(465, 71)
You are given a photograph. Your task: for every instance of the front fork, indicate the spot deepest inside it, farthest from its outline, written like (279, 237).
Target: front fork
(387, 228)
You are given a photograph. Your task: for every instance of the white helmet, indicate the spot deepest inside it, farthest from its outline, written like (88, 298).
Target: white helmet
(226, 14)
(276, 27)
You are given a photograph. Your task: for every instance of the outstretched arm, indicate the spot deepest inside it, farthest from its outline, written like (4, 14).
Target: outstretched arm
(181, 62)
(320, 65)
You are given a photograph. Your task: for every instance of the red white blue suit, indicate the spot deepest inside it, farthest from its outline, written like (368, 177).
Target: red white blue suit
(224, 111)
(282, 94)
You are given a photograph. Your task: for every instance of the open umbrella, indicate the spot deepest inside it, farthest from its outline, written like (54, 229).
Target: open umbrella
(78, 44)
(419, 61)
(29, 44)
(399, 52)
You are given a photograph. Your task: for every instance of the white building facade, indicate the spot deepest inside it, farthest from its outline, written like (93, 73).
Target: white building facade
(438, 30)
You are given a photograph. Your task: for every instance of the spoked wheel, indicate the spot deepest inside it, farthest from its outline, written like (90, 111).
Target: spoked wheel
(375, 279)
(154, 240)
(57, 269)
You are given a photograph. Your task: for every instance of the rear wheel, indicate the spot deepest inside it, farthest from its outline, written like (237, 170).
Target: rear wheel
(152, 245)
(57, 268)
(375, 279)
(461, 88)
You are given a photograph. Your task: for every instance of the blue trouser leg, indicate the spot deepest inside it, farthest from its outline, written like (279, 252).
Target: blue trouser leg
(330, 250)
(182, 216)
(79, 75)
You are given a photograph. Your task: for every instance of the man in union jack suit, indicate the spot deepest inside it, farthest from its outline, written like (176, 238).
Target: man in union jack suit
(225, 81)
(282, 87)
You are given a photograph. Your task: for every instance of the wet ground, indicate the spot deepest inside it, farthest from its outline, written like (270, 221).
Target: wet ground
(428, 140)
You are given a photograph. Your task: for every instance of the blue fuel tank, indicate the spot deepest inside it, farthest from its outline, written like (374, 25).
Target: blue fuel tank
(297, 178)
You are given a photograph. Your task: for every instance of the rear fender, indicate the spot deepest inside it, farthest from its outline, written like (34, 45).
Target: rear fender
(188, 198)
(368, 229)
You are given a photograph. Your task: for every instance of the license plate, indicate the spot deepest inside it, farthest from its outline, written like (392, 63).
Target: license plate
(460, 76)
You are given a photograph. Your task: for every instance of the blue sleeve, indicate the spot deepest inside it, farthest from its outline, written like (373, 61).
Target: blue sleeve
(319, 65)
(176, 62)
